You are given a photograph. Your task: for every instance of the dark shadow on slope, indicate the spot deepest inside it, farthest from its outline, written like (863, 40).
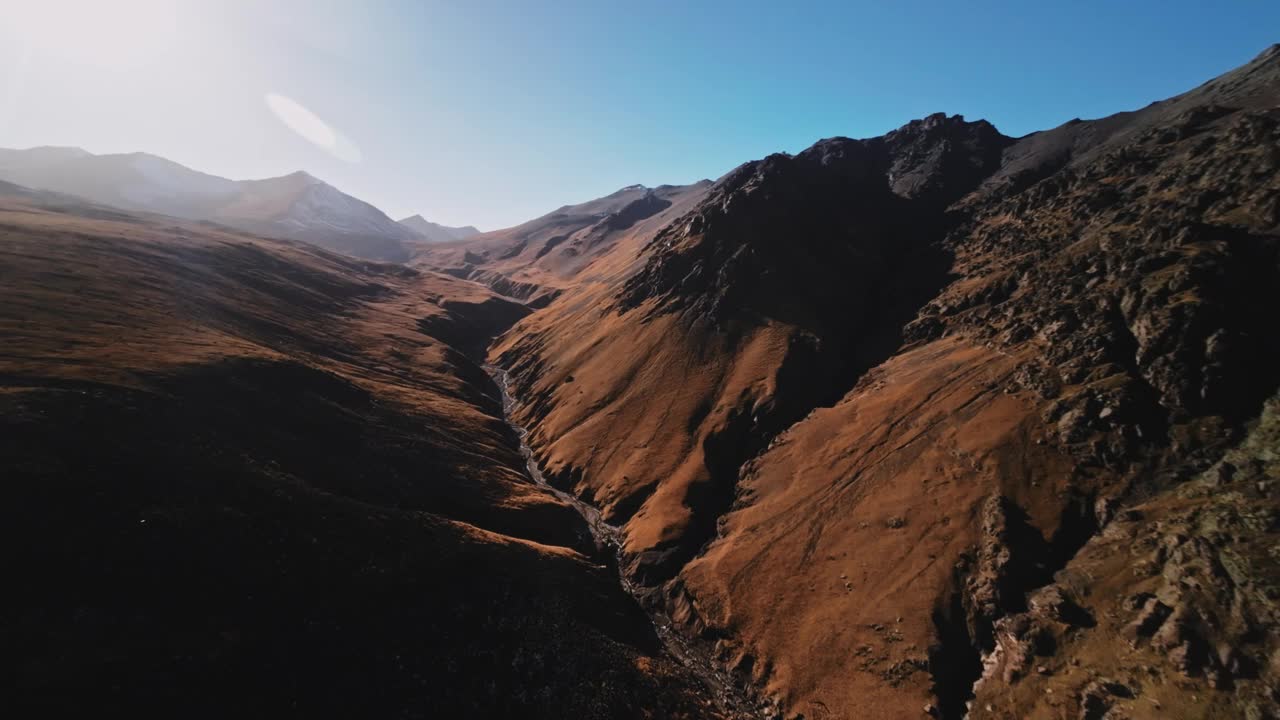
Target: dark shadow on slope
(954, 661)
(252, 540)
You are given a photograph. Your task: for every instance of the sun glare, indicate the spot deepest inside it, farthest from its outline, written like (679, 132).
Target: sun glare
(310, 127)
(104, 33)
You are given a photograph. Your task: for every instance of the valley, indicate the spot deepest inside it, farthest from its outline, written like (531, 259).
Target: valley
(940, 423)
(243, 478)
(726, 691)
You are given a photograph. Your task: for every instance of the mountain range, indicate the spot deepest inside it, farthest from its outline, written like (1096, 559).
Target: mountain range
(297, 206)
(940, 423)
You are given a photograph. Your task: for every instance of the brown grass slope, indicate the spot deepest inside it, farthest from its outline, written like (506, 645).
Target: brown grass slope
(858, 408)
(248, 477)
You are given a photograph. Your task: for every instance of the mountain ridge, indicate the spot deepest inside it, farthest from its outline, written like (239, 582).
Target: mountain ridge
(297, 205)
(434, 232)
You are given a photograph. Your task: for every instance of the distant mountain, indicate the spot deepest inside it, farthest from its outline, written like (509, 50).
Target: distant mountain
(535, 260)
(306, 208)
(297, 206)
(435, 232)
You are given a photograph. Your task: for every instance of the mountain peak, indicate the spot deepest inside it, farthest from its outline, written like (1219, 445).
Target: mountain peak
(303, 176)
(942, 122)
(943, 156)
(626, 190)
(435, 232)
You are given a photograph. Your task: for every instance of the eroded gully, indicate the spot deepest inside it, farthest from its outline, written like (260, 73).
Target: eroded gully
(695, 658)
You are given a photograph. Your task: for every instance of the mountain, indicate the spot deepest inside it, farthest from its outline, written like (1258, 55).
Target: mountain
(940, 420)
(248, 475)
(941, 423)
(295, 206)
(538, 259)
(303, 207)
(437, 233)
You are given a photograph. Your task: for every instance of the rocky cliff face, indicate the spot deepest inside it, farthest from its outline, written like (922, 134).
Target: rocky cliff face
(864, 406)
(1172, 607)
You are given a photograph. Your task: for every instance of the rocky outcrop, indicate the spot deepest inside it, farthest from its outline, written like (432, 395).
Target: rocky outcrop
(1165, 276)
(1183, 587)
(809, 239)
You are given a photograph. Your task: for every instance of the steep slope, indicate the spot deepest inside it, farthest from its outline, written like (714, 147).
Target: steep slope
(855, 408)
(293, 206)
(787, 279)
(535, 261)
(434, 232)
(247, 477)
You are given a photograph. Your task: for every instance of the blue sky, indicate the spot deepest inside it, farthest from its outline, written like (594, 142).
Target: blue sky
(490, 113)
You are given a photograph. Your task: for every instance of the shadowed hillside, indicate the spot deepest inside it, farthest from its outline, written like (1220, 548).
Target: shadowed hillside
(242, 479)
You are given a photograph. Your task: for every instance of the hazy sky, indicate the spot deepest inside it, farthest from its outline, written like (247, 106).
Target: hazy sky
(490, 113)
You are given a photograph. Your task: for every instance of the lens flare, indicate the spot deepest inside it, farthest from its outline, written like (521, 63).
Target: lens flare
(311, 128)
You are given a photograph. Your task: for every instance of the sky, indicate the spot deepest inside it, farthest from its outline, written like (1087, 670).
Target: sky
(490, 113)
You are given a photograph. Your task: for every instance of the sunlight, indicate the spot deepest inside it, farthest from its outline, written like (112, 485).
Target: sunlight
(310, 127)
(119, 34)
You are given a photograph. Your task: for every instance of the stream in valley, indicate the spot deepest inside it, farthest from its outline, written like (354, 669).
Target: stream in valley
(694, 656)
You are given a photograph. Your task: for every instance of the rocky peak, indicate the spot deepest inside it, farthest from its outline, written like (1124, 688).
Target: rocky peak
(771, 231)
(940, 158)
